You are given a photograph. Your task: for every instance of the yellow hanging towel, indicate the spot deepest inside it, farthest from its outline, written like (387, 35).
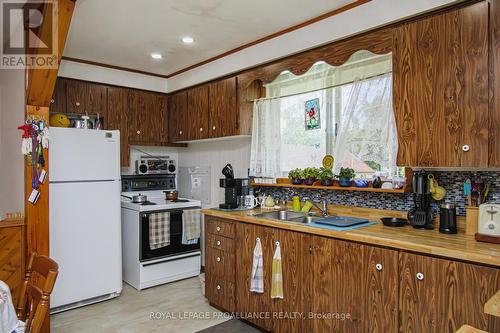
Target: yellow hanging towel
(277, 274)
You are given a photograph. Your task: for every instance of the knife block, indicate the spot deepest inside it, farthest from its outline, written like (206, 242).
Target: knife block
(471, 218)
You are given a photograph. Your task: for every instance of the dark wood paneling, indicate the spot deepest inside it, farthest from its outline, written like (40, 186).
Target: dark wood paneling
(449, 295)
(177, 117)
(223, 108)
(95, 101)
(494, 139)
(197, 112)
(440, 85)
(117, 119)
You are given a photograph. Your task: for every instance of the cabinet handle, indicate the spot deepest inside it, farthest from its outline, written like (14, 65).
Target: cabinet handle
(465, 148)
(138, 132)
(218, 287)
(218, 243)
(180, 132)
(52, 101)
(213, 127)
(218, 259)
(218, 228)
(420, 276)
(77, 103)
(201, 129)
(379, 267)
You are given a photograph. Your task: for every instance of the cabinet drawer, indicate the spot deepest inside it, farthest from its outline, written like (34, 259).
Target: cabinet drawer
(220, 243)
(220, 293)
(218, 227)
(220, 264)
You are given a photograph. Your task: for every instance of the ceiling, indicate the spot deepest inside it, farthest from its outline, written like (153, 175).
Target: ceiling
(124, 33)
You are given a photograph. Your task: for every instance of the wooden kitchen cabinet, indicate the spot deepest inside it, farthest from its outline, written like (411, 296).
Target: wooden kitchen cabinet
(223, 108)
(177, 117)
(220, 263)
(85, 97)
(147, 117)
(58, 101)
(352, 279)
(197, 112)
(438, 295)
(440, 73)
(278, 315)
(117, 119)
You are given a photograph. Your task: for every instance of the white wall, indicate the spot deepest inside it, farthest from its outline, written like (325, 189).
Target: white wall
(362, 18)
(87, 72)
(216, 154)
(12, 109)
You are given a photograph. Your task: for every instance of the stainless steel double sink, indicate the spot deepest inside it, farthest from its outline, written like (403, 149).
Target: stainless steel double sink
(287, 216)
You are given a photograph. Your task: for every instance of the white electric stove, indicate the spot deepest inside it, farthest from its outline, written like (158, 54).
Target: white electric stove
(143, 267)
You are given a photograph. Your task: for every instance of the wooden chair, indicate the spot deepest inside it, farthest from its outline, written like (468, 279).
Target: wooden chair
(33, 304)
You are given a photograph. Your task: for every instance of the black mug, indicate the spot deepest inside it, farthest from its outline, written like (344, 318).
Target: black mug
(448, 219)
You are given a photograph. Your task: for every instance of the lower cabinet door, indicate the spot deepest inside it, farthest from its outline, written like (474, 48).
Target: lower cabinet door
(438, 295)
(277, 315)
(354, 287)
(220, 292)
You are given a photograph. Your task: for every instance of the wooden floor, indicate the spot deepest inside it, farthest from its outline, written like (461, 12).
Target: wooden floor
(131, 312)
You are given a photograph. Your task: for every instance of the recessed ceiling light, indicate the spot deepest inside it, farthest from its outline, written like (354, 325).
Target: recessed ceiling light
(156, 56)
(187, 40)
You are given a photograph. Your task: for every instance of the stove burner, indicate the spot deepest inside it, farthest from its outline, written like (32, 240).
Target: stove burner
(146, 203)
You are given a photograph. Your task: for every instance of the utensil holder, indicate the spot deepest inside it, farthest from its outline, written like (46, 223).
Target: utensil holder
(471, 217)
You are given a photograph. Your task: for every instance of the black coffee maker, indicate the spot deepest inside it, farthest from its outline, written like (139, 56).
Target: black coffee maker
(234, 188)
(420, 216)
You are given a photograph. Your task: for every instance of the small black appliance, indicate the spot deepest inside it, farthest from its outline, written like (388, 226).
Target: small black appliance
(233, 188)
(420, 216)
(448, 219)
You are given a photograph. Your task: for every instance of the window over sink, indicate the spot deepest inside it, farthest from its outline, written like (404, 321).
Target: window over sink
(344, 111)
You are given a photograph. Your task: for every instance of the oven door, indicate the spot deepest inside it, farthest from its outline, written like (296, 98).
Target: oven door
(175, 248)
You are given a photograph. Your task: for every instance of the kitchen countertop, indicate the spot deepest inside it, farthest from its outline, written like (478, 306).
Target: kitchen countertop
(459, 246)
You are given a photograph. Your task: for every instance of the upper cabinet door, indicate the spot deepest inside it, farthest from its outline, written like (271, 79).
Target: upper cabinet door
(85, 97)
(117, 120)
(441, 89)
(223, 109)
(58, 101)
(197, 112)
(177, 125)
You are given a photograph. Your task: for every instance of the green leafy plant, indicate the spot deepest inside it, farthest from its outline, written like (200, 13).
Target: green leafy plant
(296, 174)
(311, 173)
(347, 173)
(326, 174)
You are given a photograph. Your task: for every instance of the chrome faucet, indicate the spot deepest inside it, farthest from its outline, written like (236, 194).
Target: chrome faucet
(324, 210)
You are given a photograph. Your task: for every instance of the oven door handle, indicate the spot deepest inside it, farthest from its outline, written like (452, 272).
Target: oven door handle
(187, 255)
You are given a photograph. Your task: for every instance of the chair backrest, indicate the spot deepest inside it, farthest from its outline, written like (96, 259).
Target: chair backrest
(34, 295)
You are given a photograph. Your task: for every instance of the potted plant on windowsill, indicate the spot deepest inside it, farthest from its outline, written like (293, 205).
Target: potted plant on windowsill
(297, 176)
(326, 176)
(345, 177)
(310, 175)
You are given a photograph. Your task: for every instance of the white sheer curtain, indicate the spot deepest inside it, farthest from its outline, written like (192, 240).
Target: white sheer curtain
(367, 130)
(265, 153)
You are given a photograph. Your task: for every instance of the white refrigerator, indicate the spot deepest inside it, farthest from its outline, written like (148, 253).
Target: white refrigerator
(84, 212)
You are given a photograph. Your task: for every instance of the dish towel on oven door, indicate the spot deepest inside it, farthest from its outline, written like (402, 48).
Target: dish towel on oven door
(191, 226)
(159, 230)
(257, 278)
(277, 274)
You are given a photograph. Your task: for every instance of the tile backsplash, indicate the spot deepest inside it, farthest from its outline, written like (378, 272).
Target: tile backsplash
(452, 181)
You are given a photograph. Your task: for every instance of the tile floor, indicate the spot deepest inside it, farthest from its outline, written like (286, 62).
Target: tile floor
(131, 312)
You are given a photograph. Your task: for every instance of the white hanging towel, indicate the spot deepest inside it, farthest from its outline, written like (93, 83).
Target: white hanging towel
(257, 280)
(277, 274)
